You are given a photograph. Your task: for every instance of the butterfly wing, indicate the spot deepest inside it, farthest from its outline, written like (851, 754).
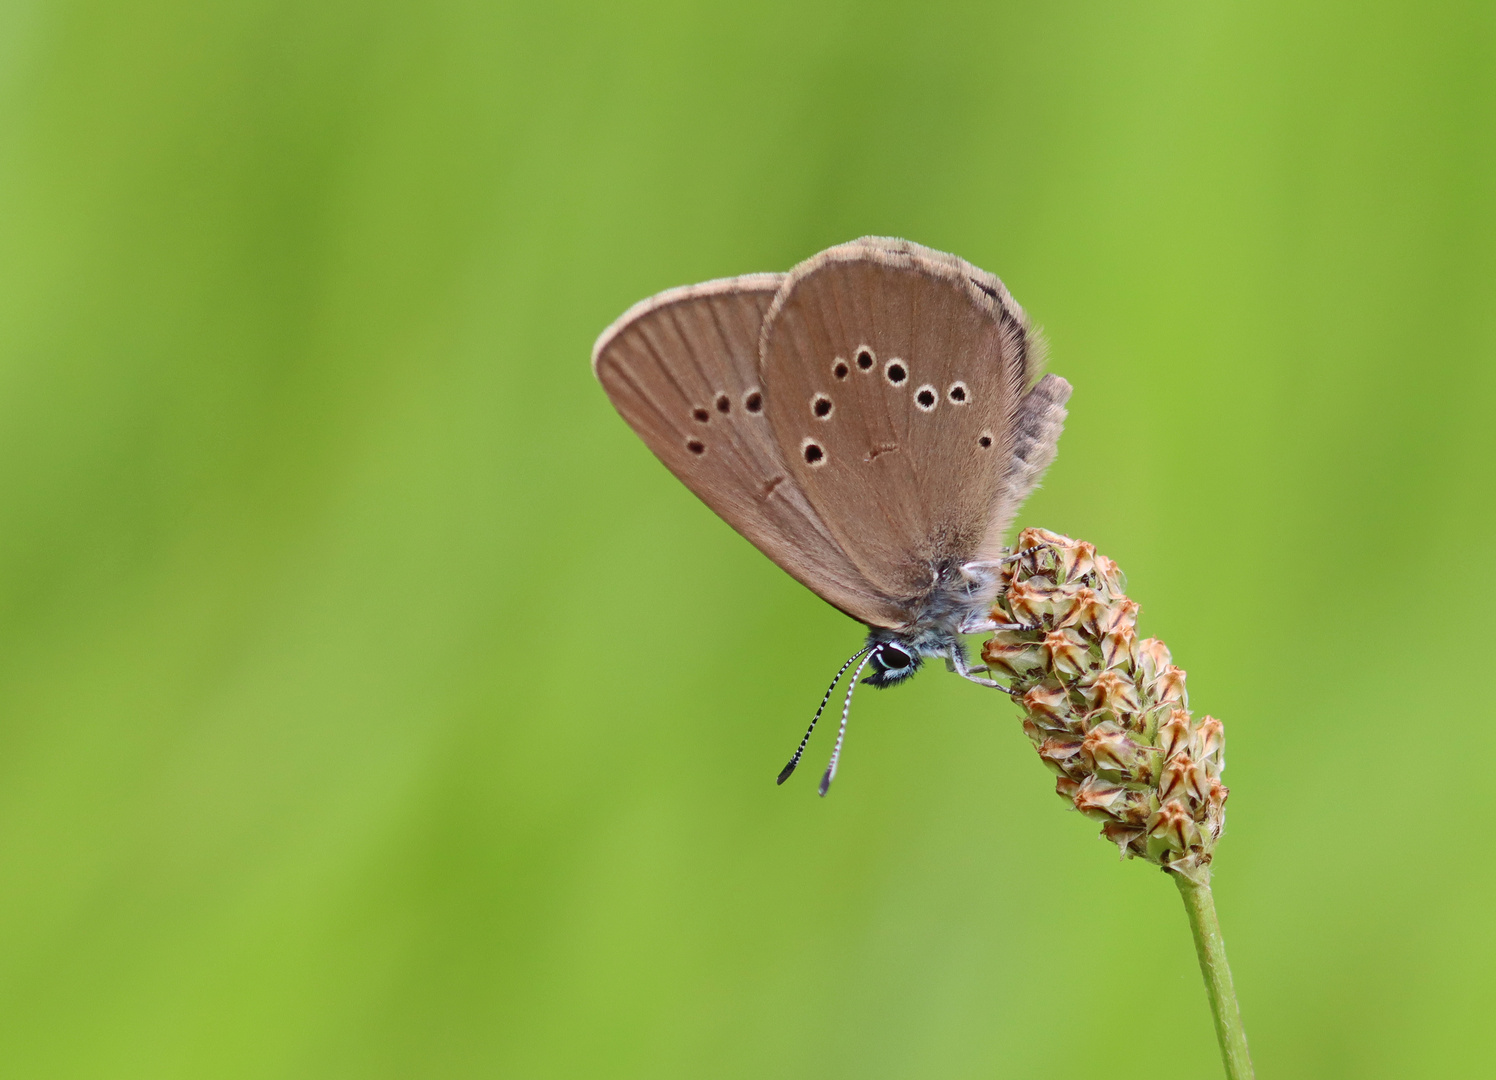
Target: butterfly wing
(682, 370)
(1036, 438)
(899, 377)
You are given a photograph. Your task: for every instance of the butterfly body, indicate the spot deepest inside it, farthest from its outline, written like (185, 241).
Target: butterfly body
(870, 420)
(958, 601)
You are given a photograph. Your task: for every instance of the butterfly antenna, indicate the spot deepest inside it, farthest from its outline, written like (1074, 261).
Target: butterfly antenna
(784, 774)
(841, 732)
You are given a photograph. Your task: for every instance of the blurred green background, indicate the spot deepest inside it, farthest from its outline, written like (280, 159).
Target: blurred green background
(372, 704)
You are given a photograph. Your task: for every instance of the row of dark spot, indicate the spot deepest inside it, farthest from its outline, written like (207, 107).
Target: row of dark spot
(753, 402)
(821, 405)
(815, 454)
(896, 374)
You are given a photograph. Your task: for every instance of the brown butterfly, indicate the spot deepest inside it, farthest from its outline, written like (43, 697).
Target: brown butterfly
(870, 421)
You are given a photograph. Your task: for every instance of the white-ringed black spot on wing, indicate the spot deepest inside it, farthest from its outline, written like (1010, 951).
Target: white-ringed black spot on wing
(814, 455)
(724, 404)
(701, 415)
(895, 371)
(753, 401)
(926, 398)
(865, 358)
(696, 446)
(958, 393)
(839, 368)
(821, 406)
(985, 440)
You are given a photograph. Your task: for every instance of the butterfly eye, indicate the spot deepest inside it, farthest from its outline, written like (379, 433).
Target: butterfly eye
(865, 358)
(957, 393)
(724, 404)
(895, 372)
(754, 401)
(696, 446)
(985, 441)
(821, 406)
(894, 658)
(925, 398)
(701, 415)
(840, 369)
(814, 455)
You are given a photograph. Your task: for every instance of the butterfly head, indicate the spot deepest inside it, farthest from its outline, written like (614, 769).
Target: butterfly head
(892, 663)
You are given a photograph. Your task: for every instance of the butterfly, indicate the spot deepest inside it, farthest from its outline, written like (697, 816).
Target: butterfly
(871, 421)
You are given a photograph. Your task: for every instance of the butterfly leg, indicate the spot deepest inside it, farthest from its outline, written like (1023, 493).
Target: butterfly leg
(981, 569)
(956, 661)
(985, 624)
(980, 572)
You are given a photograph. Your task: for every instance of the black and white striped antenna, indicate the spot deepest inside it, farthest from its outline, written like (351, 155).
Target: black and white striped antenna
(784, 774)
(841, 732)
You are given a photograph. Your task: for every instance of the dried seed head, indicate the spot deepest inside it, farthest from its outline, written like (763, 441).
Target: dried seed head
(1123, 614)
(1153, 656)
(1112, 691)
(1174, 733)
(1112, 577)
(1049, 706)
(1119, 648)
(1106, 711)
(1068, 652)
(1211, 735)
(1168, 687)
(1095, 798)
(1062, 755)
(1122, 835)
(1016, 659)
(1175, 827)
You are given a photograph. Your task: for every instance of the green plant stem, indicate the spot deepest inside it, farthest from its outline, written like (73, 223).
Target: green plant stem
(1211, 947)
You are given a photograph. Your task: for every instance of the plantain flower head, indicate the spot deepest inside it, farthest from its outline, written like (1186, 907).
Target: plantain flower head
(1107, 712)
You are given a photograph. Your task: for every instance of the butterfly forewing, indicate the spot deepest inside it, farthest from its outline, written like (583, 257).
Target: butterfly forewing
(682, 369)
(896, 374)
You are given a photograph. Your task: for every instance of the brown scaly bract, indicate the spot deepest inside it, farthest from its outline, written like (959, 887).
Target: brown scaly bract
(1105, 711)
